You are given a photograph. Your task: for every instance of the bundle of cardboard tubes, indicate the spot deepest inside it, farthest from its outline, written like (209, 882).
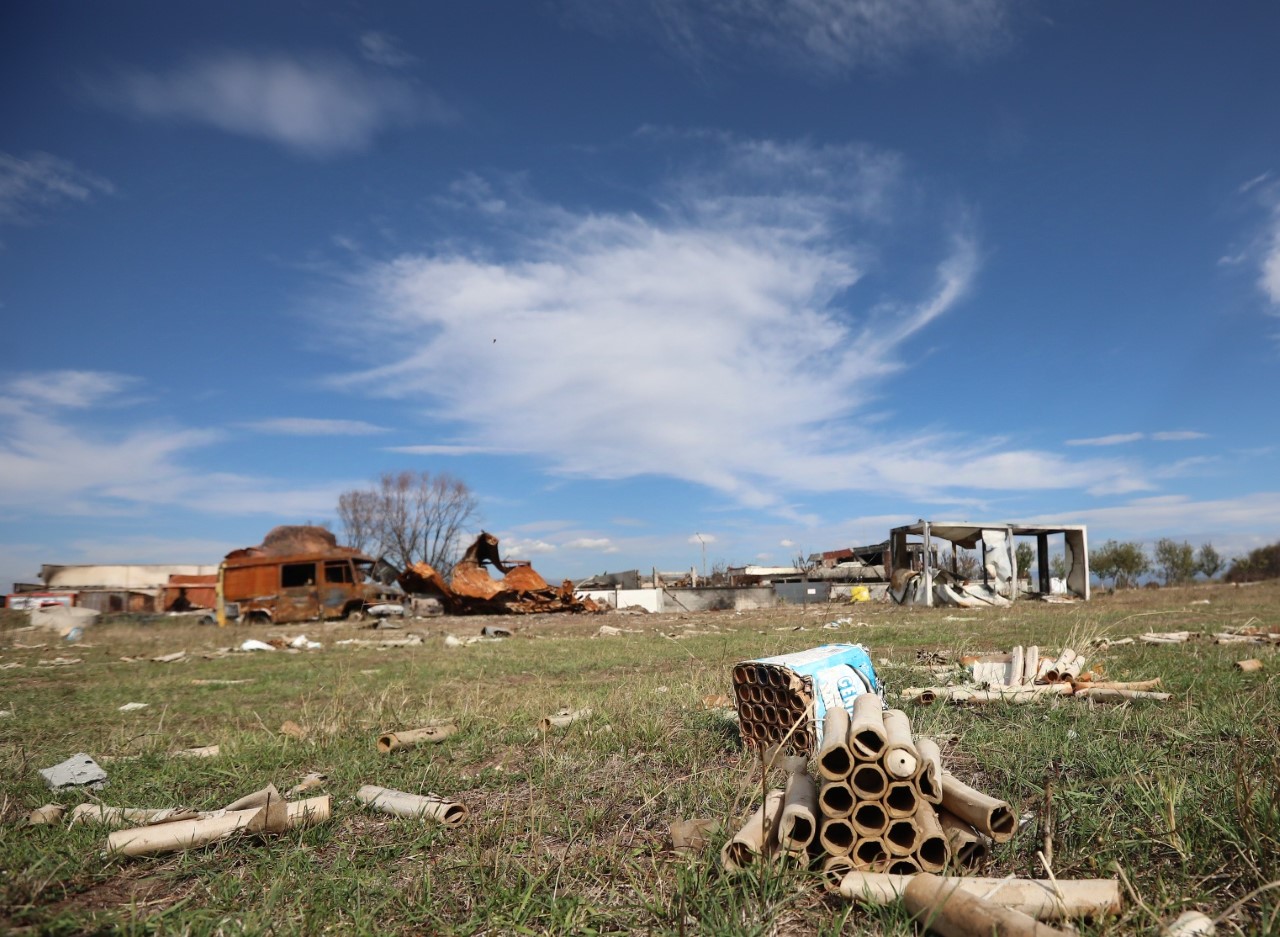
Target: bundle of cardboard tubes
(886, 822)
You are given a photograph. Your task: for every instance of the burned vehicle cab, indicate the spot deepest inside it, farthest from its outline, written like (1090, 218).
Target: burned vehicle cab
(301, 587)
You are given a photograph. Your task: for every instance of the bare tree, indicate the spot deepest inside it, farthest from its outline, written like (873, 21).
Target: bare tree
(409, 517)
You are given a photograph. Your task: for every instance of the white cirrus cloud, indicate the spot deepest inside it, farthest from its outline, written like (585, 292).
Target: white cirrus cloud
(1119, 439)
(717, 336)
(384, 49)
(1176, 515)
(1178, 435)
(820, 35)
(702, 538)
(307, 426)
(41, 182)
(786, 543)
(59, 455)
(518, 548)
(319, 106)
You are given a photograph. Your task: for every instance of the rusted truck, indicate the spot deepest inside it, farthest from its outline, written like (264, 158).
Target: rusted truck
(297, 574)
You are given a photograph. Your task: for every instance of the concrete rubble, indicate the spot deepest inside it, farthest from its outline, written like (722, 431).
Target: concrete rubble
(80, 770)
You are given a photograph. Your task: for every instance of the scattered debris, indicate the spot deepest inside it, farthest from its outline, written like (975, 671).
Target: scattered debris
(262, 812)
(402, 804)
(1039, 898)
(563, 718)
(133, 707)
(12, 665)
(214, 682)
(493, 631)
(1251, 665)
(309, 783)
(471, 590)
(80, 770)
(204, 751)
(944, 908)
(46, 815)
(253, 644)
(1168, 637)
(608, 631)
(692, 836)
(292, 729)
(412, 738)
(409, 640)
(1119, 695)
(169, 658)
(301, 643)
(59, 662)
(123, 816)
(1191, 924)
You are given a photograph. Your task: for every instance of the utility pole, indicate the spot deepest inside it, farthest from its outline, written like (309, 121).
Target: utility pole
(704, 555)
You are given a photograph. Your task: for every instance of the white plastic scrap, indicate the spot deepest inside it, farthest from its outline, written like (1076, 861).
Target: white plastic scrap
(132, 707)
(301, 642)
(253, 644)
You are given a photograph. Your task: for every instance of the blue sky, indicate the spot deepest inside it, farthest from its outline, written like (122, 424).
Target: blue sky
(778, 274)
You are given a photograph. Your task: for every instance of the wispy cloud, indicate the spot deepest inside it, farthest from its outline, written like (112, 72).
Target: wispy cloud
(39, 183)
(56, 457)
(1177, 515)
(701, 538)
(821, 35)
(450, 450)
(304, 426)
(319, 106)
(1119, 439)
(595, 544)
(384, 49)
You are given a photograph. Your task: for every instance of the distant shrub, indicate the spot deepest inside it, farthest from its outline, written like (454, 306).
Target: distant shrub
(1262, 563)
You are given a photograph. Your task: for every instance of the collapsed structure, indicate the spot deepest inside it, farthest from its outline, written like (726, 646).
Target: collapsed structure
(918, 576)
(471, 590)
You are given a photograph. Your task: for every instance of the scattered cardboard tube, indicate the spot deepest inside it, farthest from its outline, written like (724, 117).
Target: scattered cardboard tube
(1120, 684)
(870, 820)
(757, 836)
(867, 733)
(921, 695)
(900, 759)
(837, 836)
(272, 816)
(412, 738)
(985, 814)
(967, 846)
(123, 816)
(1006, 694)
(799, 822)
(902, 837)
(1249, 666)
(929, 781)
(903, 865)
(901, 799)
(835, 758)
(869, 853)
(268, 795)
(836, 800)
(48, 814)
(404, 804)
(1063, 899)
(1030, 664)
(868, 781)
(1106, 695)
(933, 852)
(1017, 665)
(944, 908)
(834, 869)
(562, 719)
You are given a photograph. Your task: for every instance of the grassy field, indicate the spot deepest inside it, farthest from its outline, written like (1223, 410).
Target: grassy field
(568, 830)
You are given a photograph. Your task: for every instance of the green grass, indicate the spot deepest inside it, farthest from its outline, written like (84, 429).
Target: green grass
(568, 831)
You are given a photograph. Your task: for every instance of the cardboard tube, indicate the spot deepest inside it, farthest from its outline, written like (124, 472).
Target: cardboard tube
(902, 837)
(869, 819)
(310, 811)
(968, 847)
(901, 799)
(836, 800)
(868, 781)
(411, 738)
(1191, 924)
(402, 804)
(869, 853)
(1069, 665)
(799, 823)
(985, 814)
(835, 758)
(1120, 684)
(48, 814)
(1030, 665)
(929, 780)
(933, 852)
(1105, 695)
(1017, 664)
(268, 795)
(562, 719)
(124, 816)
(834, 869)
(944, 908)
(1063, 899)
(837, 836)
(867, 734)
(920, 695)
(900, 758)
(903, 865)
(273, 816)
(1249, 666)
(756, 838)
